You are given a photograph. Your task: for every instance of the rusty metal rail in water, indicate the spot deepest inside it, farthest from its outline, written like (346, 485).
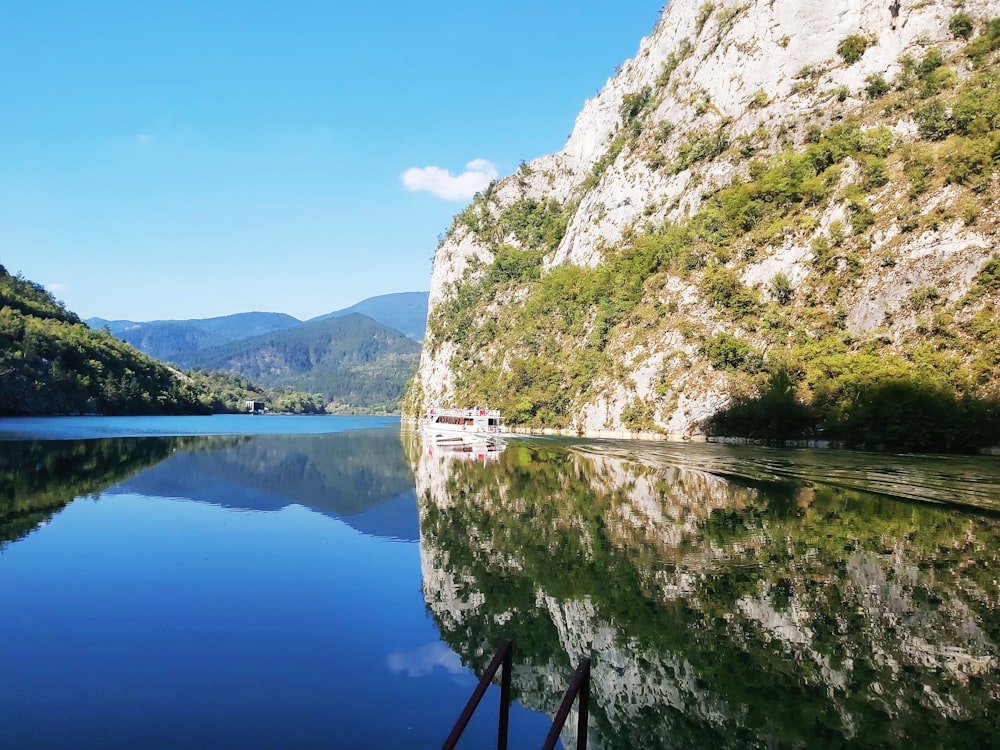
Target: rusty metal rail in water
(504, 657)
(578, 686)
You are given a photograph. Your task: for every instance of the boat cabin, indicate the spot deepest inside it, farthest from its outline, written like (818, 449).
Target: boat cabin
(479, 420)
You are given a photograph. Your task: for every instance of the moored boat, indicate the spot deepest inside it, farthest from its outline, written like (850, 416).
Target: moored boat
(463, 423)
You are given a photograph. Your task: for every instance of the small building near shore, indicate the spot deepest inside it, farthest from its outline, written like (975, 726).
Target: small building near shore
(255, 407)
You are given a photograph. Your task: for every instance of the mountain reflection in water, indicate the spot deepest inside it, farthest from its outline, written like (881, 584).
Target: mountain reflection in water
(728, 597)
(361, 476)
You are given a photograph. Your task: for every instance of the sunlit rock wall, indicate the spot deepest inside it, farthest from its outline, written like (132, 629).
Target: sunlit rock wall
(727, 55)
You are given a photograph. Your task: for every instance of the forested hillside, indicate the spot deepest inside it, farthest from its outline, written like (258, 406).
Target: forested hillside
(175, 340)
(776, 221)
(354, 366)
(52, 363)
(352, 361)
(171, 340)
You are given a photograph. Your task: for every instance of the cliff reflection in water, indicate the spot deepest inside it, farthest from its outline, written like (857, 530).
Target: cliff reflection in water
(716, 611)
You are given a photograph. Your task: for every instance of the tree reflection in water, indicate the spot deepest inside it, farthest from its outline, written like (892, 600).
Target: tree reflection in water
(39, 478)
(717, 611)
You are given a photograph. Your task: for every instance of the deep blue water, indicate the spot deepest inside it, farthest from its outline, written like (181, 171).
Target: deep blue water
(251, 591)
(81, 428)
(261, 582)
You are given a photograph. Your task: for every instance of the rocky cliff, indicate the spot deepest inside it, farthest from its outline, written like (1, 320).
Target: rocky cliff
(771, 191)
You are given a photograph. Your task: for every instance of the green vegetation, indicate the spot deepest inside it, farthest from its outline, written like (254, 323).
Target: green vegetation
(568, 303)
(759, 99)
(51, 363)
(726, 352)
(533, 224)
(351, 362)
(602, 164)
(704, 13)
(987, 42)
(781, 289)
(224, 392)
(961, 25)
(876, 86)
(639, 416)
(721, 287)
(673, 61)
(701, 144)
(851, 48)
(633, 104)
(726, 18)
(877, 403)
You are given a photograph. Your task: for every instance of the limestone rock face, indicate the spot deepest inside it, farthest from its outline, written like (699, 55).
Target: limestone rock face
(761, 72)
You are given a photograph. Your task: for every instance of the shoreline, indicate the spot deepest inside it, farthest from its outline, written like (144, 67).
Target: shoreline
(814, 443)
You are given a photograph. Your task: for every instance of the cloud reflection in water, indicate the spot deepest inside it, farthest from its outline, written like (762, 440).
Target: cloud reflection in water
(422, 661)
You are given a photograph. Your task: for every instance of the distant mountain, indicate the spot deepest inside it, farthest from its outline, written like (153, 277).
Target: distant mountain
(171, 340)
(352, 360)
(363, 361)
(176, 340)
(404, 311)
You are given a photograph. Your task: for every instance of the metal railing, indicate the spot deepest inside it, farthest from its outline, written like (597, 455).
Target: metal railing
(504, 657)
(580, 685)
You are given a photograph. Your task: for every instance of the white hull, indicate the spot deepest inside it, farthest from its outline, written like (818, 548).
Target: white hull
(462, 424)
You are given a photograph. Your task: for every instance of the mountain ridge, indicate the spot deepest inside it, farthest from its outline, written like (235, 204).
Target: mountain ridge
(404, 311)
(172, 340)
(351, 360)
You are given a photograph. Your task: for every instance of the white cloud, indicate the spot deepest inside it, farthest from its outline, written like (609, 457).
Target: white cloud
(145, 138)
(442, 183)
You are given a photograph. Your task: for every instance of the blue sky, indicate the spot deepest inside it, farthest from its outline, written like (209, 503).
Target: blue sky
(173, 160)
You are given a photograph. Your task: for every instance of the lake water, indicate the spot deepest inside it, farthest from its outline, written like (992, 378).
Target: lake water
(337, 582)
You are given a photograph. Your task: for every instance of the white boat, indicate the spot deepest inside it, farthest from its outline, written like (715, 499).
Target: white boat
(462, 424)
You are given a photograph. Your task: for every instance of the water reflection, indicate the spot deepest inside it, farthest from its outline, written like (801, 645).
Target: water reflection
(38, 479)
(459, 447)
(347, 475)
(721, 610)
(361, 476)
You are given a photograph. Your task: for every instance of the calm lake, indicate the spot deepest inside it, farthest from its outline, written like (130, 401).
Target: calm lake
(262, 582)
